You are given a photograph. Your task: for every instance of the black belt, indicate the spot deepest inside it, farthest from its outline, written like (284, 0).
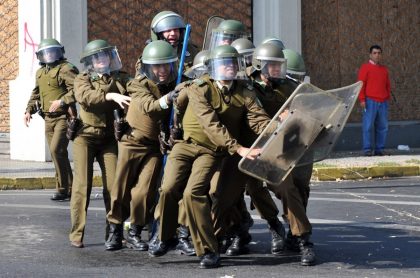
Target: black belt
(54, 114)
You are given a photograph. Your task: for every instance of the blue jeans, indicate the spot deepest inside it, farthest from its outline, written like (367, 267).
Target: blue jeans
(375, 116)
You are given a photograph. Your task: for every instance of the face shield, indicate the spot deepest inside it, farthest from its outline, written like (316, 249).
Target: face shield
(196, 71)
(222, 38)
(160, 73)
(227, 68)
(103, 62)
(50, 55)
(274, 69)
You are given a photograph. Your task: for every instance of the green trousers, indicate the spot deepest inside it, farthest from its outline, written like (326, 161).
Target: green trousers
(136, 182)
(55, 132)
(188, 171)
(85, 151)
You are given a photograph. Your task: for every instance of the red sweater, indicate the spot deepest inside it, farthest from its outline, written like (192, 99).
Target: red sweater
(376, 84)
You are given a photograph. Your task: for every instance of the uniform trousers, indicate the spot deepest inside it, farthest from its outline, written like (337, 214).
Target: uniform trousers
(85, 150)
(188, 172)
(55, 132)
(136, 181)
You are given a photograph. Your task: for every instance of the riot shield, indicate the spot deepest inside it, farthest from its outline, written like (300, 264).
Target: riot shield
(212, 23)
(304, 130)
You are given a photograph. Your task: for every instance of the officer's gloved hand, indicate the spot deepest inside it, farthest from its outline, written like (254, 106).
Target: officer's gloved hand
(171, 96)
(163, 143)
(174, 135)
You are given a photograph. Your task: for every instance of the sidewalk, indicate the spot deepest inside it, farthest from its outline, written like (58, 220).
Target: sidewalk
(16, 174)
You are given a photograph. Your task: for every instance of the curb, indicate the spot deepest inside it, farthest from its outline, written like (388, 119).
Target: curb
(356, 173)
(318, 174)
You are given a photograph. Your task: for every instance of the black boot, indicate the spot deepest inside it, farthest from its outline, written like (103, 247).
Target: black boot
(160, 248)
(292, 243)
(277, 236)
(224, 243)
(185, 246)
(58, 196)
(114, 241)
(239, 245)
(306, 250)
(134, 240)
(210, 260)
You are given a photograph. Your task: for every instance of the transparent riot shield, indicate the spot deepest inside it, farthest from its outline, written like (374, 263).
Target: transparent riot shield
(212, 23)
(303, 130)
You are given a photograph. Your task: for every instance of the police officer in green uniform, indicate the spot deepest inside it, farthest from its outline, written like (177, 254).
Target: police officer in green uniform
(53, 97)
(273, 89)
(170, 27)
(139, 158)
(99, 90)
(228, 31)
(231, 217)
(217, 105)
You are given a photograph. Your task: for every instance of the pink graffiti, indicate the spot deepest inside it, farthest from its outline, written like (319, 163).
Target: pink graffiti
(29, 42)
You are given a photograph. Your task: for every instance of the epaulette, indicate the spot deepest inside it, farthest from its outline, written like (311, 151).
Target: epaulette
(199, 82)
(184, 84)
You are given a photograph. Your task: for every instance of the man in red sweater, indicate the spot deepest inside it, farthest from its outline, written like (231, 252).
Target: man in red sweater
(373, 98)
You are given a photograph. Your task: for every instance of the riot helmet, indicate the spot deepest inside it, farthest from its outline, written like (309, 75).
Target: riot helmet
(245, 47)
(225, 63)
(295, 64)
(199, 68)
(100, 57)
(166, 21)
(159, 62)
(49, 51)
(227, 31)
(269, 59)
(274, 40)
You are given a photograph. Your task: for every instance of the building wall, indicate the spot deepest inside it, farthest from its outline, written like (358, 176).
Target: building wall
(9, 60)
(126, 23)
(337, 34)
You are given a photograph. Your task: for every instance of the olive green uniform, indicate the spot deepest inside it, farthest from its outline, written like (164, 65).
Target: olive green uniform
(55, 82)
(139, 158)
(210, 125)
(95, 140)
(290, 192)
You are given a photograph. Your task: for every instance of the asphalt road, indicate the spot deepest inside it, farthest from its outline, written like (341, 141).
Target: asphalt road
(360, 228)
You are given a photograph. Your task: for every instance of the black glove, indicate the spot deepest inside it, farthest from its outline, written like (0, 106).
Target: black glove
(120, 124)
(171, 96)
(175, 134)
(73, 125)
(163, 143)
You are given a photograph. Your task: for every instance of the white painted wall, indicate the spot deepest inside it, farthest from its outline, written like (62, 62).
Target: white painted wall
(278, 18)
(65, 20)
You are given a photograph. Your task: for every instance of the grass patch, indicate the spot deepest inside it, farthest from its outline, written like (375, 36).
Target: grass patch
(323, 165)
(413, 161)
(387, 164)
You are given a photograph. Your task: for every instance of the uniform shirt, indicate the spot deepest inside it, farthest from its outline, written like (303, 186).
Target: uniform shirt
(376, 84)
(213, 122)
(96, 112)
(145, 114)
(53, 82)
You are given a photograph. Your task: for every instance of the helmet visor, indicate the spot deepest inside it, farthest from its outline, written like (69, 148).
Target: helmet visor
(274, 69)
(160, 73)
(103, 61)
(222, 38)
(196, 71)
(50, 55)
(227, 68)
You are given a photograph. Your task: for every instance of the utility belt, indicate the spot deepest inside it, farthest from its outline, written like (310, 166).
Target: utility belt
(54, 114)
(212, 148)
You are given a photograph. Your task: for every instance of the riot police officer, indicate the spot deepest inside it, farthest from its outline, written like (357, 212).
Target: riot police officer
(139, 159)
(227, 31)
(218, 104)
(170, 27)
(53, 98)
(273, 89)
(99, 89)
